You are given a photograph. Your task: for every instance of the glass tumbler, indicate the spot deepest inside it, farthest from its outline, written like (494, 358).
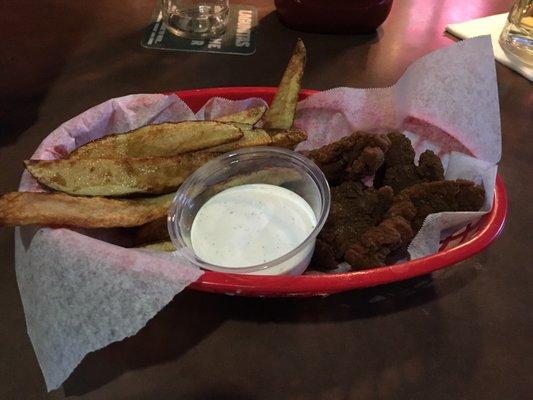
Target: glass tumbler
(517, 35)
(195, 19)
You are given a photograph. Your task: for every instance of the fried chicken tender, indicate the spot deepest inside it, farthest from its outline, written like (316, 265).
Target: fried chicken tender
(399, 170)
(430, 167)
(434, 197)
(379, 242)
(369, 227)
(323, 256)
(405, 217)
(352, 157)
(354, 209)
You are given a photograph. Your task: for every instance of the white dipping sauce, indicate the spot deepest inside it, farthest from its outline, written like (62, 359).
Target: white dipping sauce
(252, 224)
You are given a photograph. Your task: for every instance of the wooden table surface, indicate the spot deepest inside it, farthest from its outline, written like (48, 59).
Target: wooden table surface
(462, 333)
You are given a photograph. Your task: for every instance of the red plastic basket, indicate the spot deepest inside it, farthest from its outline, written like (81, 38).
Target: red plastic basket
(461, 245)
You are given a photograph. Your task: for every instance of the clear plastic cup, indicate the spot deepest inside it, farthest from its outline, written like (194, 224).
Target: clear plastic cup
(268, 165)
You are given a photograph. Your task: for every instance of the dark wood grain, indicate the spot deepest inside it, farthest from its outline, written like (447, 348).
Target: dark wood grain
(462, 333)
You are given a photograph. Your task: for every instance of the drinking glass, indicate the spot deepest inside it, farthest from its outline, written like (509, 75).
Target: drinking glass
(195, 19)
(517, 35)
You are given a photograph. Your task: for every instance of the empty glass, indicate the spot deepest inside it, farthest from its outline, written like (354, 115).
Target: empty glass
(517, 35)
(195, 19)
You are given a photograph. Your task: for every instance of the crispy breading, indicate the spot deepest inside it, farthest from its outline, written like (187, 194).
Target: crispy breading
(434, 197)
(352, 157)
(59, 209)
(354, 209)
(375, 245)
(406, 215)
(323, 256)
(399, 170)
(429, 167)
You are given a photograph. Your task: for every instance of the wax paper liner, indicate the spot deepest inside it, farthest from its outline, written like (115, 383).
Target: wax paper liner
(447, 102)
(80, 293)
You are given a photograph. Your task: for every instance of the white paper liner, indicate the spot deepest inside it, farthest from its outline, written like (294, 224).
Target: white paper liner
(81, 294)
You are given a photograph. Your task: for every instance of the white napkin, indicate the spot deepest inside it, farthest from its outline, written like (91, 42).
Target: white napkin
(492, 26)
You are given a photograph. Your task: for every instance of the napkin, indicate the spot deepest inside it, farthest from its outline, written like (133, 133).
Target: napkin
(492, 26)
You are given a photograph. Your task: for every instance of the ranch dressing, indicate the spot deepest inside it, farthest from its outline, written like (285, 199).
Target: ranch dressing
(252, 224)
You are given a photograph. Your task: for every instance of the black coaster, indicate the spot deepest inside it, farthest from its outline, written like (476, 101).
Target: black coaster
(239, 38)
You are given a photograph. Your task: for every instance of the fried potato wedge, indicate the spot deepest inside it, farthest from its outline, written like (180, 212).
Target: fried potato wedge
(280, 115)
(273, 176)
(59, 209)
(250, 116)
(157, 230)
(159, 246)
(116, 177)
(162, 140)
(252, 137)
(287, 138)
(154, 231)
